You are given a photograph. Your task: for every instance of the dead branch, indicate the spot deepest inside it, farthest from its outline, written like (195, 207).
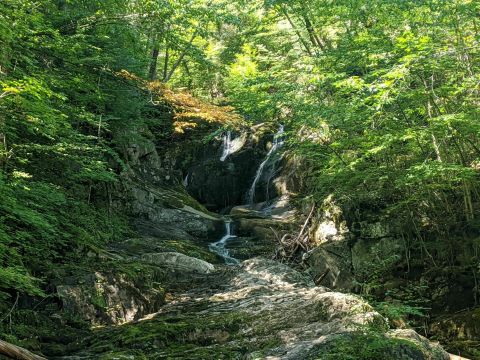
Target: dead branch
(306, 223)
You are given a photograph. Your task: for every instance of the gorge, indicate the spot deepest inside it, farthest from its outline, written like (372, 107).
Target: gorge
(265, 179)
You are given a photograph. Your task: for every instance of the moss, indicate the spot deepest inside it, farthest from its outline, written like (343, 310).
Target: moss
(139, 246)
(124, 355)
(178, 198)
(98, 301)
(365, 346)
(43, 331)
(171, 336)
(192, 249)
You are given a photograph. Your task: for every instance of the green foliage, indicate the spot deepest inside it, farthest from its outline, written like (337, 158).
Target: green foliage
(399, 303)
(56, 154)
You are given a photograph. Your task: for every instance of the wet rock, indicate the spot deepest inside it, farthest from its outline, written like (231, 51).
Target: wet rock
(266, 221)
(243, 248)
(220, 184)
(267, 229)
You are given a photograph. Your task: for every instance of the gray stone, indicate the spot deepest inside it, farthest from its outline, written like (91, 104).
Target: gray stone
(108, 298)
(179, 263)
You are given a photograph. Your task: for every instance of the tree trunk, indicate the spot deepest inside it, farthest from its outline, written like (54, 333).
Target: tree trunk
(152, 73)
(180, 58)
(300, 37)
(16, 352)
(314, 39)
(165, 62)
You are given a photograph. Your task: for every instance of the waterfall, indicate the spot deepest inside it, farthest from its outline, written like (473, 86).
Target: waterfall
(232, 145)
(277, 143)
(219, 246)
(185, 181)
(227, 145)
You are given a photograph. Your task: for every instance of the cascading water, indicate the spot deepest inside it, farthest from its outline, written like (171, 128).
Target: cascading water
(219, 246)
(277, 143)
(227, 145)
(231, 145)
(185, 181)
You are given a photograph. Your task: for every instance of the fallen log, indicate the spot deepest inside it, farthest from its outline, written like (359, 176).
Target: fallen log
(17, 352)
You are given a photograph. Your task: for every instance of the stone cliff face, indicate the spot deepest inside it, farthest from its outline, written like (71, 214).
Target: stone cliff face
(220, 184)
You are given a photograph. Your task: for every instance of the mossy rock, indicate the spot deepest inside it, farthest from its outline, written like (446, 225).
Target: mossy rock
(170, 337)
(145, 245)
(367, 346)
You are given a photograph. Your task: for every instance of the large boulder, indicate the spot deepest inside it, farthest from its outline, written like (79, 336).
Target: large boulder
(170, 213)
(179, 263)
(266, 220)
(330, 265)
(330, 261)
(108, 298)
(137, 283)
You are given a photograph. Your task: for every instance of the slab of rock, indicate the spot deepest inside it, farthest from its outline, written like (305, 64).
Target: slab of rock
(108, 298)
(179, 262)
(265, 310)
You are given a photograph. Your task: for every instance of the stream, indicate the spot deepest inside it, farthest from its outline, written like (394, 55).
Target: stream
(219, 247)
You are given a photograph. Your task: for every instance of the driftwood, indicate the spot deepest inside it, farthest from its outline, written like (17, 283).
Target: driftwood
(305, 223)
(290, 244)
(16, 352)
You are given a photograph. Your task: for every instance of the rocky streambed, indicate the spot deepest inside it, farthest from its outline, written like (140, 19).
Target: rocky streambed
(255, 309)
(260, 309)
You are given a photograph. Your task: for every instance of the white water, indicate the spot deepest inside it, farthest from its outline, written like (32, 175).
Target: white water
(230, 145)
(277, 143)
(219, 246)
(185, 181)
(227, 146)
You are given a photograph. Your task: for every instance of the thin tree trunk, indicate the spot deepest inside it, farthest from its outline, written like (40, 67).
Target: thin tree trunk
(99, 132)
(300, 37)
(436, 147)
(314, 39)
(165, 62)
(180, 58)
(4, 153)
(152, 73)
(189, 75)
